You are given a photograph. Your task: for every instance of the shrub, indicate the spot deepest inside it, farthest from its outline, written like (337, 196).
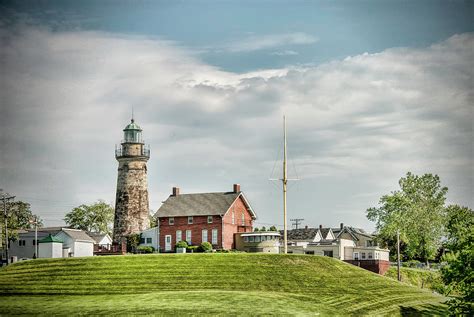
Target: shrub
(411, 263)
(145, 249)
(192, 248)
(182, 244)
(133, 241)
(205, 247)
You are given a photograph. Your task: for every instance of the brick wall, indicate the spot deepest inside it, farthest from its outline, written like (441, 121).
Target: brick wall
(376, 266)
(230, 228)
(199, 224)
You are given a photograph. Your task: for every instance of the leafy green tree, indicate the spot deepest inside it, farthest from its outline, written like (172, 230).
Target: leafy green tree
(417, 210)
(133, 240)
(263, 229)
(19, 216)
(256, 229)
(458, 274)
(97, 217)
(272, 228)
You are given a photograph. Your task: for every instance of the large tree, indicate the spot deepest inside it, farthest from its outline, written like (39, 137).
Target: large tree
(458, 274)
(19, 216)
(97, 217)
(417, 210)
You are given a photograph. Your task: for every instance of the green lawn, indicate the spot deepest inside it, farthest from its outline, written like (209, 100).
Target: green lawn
(195, 284)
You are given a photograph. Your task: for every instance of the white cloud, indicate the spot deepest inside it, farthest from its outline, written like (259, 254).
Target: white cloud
(261, 42)
(284, 53)
(355, 125)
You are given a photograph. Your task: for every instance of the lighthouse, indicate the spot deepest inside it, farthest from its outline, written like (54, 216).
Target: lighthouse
(131, 200)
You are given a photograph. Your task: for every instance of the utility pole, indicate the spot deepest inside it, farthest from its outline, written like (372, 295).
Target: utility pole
(5, 197)
(35, 222)
(296, 222)
(398, 255)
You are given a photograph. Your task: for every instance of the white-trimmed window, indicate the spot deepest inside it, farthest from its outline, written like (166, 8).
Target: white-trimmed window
(188, 236)
(214, 236)
(204, 235)
(171, 221)
(179, 235)
(209, 219)
(233, 217)
(363, 255)
(190, 220)
(243, 218)
(356, 255)
(370, 255)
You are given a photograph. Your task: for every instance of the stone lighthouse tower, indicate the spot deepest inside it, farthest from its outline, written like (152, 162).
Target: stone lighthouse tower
(131, 201)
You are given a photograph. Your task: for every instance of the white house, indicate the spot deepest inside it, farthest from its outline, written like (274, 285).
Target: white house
(352, 245)
(50, 247)
(25, 246)
(76, 242)
(101, 239)
(150, 238)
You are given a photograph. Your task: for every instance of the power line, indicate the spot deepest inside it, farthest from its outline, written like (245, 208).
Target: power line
(296, 222)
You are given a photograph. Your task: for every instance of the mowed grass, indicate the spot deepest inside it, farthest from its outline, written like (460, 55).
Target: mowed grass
(197, 284)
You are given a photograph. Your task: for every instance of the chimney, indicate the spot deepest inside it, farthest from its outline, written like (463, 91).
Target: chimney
(236, 188)
(305, 227)
(320, 226)
(175, 191)
(342, 225)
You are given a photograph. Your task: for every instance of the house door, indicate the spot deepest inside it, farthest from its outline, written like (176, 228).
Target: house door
(168, 242)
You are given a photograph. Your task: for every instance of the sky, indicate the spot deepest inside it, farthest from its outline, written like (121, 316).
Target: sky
(371, 90)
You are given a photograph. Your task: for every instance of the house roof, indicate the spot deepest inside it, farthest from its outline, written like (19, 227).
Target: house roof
(78, 235)
(50, 239)
(200, 204)
(301, 234)
(96, 236)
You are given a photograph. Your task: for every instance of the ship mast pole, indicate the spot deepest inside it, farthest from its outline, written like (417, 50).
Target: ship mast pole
(284, 180)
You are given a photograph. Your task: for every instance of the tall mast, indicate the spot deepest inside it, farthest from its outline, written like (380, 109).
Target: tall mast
(284, 180)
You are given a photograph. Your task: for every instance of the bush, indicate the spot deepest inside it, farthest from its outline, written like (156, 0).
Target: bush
(412, 263)
(182, 244)
(145, 249)
(133, 241)
(192, 248)
(205, 247)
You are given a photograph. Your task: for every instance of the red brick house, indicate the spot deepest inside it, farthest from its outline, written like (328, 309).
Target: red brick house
(206, 217)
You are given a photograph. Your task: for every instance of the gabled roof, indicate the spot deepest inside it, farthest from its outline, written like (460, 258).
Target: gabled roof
(97, 236)
(50, 239)
(76, 234)
(303, 234)
(200, 204)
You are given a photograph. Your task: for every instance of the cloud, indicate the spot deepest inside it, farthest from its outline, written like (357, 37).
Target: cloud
(284, 53)
(355, 126)
(269, 41)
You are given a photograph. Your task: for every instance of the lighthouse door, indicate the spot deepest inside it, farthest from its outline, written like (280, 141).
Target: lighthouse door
(168, 243)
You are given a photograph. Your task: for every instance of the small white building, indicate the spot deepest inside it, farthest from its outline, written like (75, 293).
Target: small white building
(150, 238)
(76, 243)
(50, 247)
(101, 239)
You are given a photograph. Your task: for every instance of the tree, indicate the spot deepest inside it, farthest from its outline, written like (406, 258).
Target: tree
(19, 217)
(272, 228)
(97, 217)
(458, 274)
(263, 229)
(417, 210)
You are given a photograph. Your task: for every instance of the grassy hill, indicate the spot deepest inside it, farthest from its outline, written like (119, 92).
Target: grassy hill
(195, 284)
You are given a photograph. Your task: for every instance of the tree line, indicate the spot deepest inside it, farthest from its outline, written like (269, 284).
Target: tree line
(429, 229)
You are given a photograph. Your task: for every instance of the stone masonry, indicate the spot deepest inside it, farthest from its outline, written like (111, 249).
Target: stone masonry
(131, 202)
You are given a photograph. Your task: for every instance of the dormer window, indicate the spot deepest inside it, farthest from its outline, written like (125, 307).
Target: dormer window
(171, 221)
(190, 220)
(209, 219)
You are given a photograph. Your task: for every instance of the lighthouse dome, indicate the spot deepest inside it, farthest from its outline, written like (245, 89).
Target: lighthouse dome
(132, 126)
(132, 133)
